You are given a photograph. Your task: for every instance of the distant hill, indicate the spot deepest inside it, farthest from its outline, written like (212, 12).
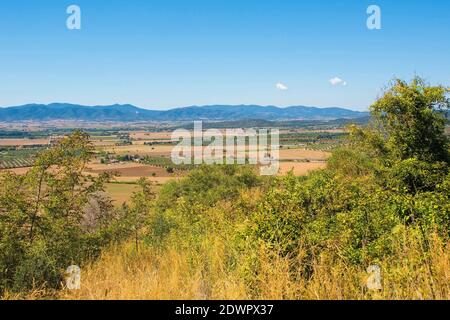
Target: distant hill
(64, 111)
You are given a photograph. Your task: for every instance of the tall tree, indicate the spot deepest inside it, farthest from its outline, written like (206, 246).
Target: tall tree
(412, 118)
(42, 215)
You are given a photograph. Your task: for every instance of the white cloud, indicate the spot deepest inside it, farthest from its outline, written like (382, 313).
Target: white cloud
(336, 81)
(281, 86)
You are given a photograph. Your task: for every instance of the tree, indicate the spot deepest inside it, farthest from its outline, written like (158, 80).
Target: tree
(42, 215)
(411, 117)
(137, 213)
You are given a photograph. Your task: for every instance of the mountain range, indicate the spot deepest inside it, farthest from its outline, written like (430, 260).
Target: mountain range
(129, 113)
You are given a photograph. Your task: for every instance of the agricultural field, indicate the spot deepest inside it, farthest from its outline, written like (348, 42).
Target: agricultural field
(300, 168)
(23, 142)
(133, 172)
(139, 149)
(121, 192)
(132, 155)
(303, 154)
(19, 151)
(325, 140)
(17, 157)
(16, 163)
(146, 135)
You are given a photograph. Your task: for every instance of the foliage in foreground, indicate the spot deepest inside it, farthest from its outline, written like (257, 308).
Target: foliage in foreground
(224, 232)
(384, 200)
(121, 273)
(55, 216)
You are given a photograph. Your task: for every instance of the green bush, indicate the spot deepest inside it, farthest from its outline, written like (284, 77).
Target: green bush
(36, 270)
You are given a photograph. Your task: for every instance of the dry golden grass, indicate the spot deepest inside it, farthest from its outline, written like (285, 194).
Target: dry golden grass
(123, 273)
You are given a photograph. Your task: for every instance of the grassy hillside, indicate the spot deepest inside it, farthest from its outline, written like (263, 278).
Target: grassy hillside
(121, 273)
(223, 232)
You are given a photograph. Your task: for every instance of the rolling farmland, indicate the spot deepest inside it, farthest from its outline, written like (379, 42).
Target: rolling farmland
(131, 155)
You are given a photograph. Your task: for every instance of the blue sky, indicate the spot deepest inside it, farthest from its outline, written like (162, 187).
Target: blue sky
(162, 54)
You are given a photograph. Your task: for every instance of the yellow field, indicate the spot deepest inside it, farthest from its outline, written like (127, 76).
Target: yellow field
(121, 193)
(140, 149)
(95, 166)
(303, 154)
(104, 143)
(143, 135)
(142, 142)
(23, 142)
(300, 168)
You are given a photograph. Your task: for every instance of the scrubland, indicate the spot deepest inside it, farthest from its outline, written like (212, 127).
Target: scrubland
(222, 232)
